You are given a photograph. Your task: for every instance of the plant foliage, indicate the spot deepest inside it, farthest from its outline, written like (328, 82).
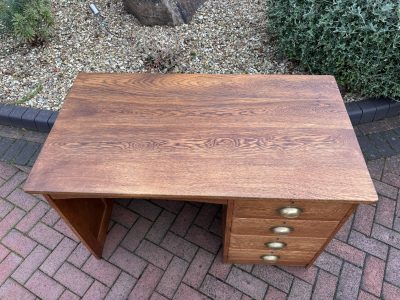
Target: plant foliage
(28, 20)
(357, 41)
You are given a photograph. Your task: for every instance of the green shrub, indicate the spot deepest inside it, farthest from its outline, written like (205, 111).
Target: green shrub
(357, 41)
(28, 20)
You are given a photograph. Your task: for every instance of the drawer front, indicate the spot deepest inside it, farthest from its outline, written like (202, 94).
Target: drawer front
(259, 242)
(301, 228)
(251, 256)
(311, 210)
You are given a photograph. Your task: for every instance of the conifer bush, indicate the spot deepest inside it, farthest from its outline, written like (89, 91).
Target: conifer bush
(357, 41)
(28, 20)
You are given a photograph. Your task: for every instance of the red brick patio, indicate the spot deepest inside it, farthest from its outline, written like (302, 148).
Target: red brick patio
(172, 250)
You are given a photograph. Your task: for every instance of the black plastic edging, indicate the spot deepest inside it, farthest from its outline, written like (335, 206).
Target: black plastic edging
(26, 117)
(372, 110)
(43, 120)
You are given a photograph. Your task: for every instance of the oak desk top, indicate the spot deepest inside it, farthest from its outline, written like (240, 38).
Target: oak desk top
(203, 137)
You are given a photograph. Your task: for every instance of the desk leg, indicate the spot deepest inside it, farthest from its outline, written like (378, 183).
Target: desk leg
(227, 216)
(87, 217)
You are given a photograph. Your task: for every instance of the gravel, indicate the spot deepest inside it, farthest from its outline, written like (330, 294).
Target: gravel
(224, 37)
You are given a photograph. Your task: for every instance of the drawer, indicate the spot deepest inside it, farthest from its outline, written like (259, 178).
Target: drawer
(311, 210)
(301, 228)
(290, 258)
(258, 242)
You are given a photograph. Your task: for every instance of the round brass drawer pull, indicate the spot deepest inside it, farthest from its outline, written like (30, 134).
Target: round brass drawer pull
(290, 212)
(270, 258)
(275, 245)
(282, 229)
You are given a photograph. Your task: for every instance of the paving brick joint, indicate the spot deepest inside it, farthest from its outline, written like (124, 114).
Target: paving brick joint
(173, 250)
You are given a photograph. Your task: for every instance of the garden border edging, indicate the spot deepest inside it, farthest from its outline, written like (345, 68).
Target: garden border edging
(43, 120)
(373, 109)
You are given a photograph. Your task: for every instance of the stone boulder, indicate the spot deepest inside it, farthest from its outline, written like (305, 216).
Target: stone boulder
(163, 12)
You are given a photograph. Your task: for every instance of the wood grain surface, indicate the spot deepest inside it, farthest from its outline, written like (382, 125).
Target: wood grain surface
(200, 137)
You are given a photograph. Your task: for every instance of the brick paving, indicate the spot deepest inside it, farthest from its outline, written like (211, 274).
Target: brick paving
(172, 250)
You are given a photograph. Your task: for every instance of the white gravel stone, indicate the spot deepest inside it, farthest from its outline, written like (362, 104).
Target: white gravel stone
(228, 36)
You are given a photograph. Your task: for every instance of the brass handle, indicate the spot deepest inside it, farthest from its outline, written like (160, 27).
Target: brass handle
(290, 212)
(270, 258)
(282, 229)
(276, 245)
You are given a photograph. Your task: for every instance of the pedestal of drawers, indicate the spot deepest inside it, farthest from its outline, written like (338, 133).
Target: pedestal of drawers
(250, 223)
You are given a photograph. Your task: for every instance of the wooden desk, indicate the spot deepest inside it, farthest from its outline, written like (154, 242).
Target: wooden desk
(254, 143)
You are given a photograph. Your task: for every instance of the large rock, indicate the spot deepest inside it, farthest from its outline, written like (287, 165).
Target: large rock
(163, 12)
